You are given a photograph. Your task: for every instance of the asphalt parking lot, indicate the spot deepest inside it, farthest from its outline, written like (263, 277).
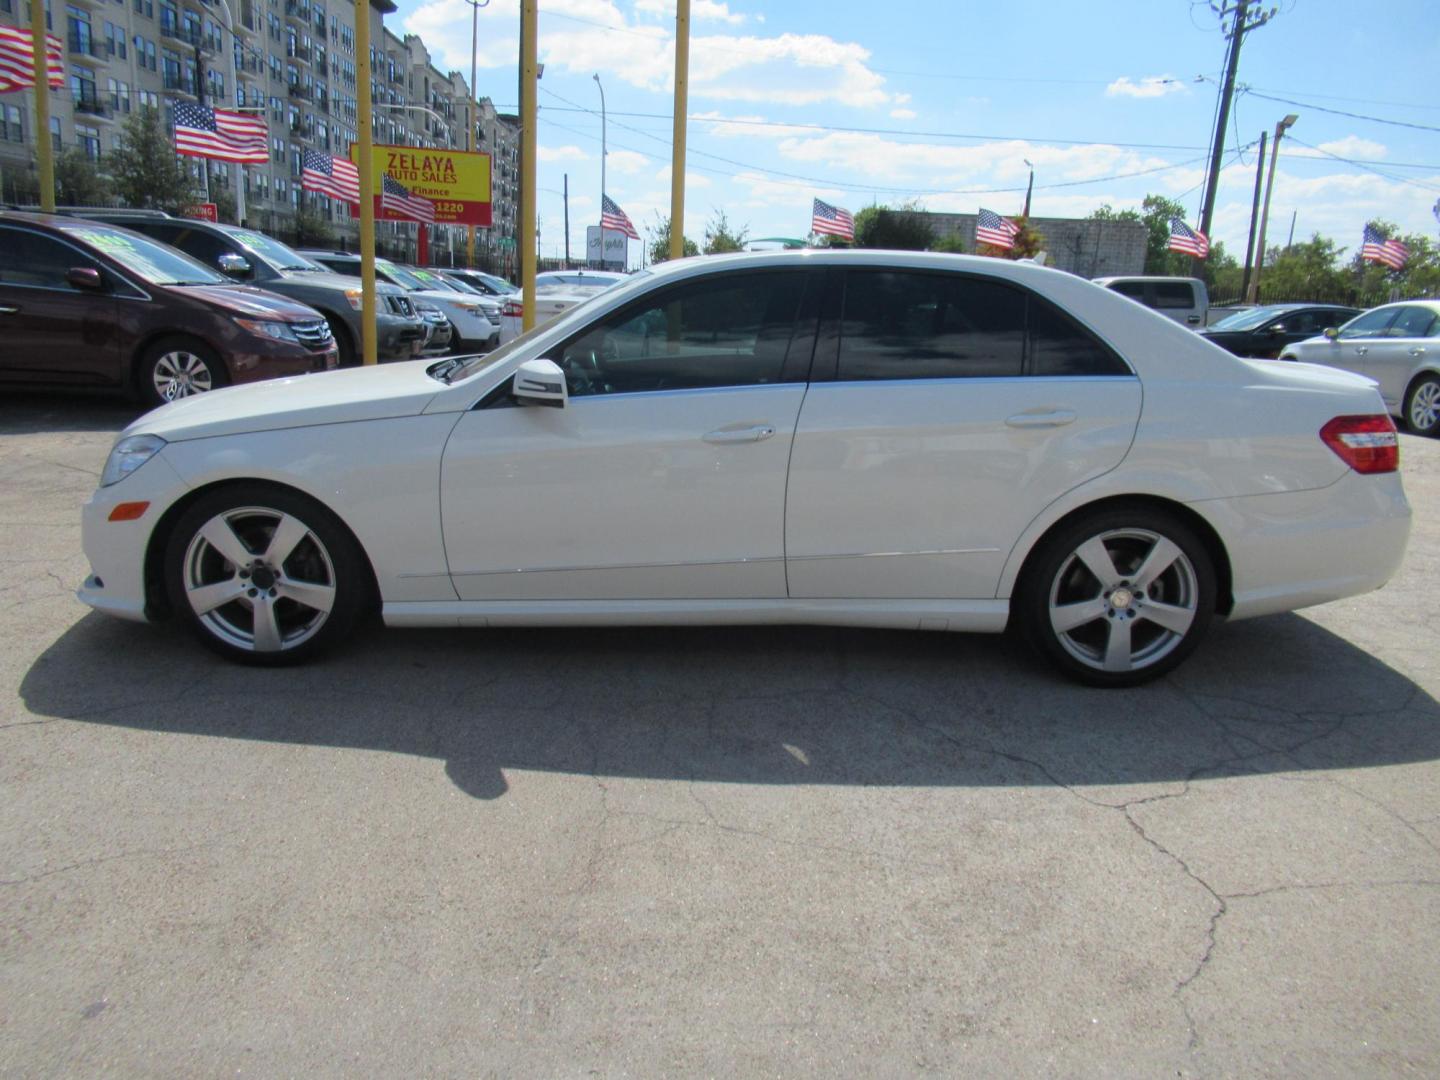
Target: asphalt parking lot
(705, 852)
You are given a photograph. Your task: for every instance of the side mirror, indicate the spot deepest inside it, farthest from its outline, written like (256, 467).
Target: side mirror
(85, 277)
(233, 266)
(540, 382)
(1331, 332)
(1278, 328)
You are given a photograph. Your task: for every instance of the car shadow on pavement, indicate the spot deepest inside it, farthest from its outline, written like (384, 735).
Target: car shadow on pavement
(29, 412)
(761, 705)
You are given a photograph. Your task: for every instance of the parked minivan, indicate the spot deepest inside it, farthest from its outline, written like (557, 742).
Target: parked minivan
(1180, 298)
(88, 305)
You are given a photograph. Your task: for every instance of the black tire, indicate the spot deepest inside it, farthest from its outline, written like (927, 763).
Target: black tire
(1423, 398)
(216, 596)
(1058, 577)
(184, 365)
(341, 333)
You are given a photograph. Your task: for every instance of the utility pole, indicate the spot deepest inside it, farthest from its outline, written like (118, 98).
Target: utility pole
(602, 161)
(1280, 130)
(1254, 216)
(567, 221)
(43, 150)
(677, 158)
(529, 124)
(370, 343)
(1244, 21)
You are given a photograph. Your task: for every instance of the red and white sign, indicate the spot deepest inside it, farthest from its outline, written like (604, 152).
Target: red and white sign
(205, 211)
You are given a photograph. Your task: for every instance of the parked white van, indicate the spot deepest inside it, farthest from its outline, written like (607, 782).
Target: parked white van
(1180, 298)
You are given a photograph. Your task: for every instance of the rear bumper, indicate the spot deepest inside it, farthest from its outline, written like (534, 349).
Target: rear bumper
(1296, 549)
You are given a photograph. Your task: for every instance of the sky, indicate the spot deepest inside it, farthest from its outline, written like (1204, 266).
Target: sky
(943, 101)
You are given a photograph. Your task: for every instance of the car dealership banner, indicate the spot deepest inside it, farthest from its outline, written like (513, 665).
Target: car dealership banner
(614, 251)
(456, 181)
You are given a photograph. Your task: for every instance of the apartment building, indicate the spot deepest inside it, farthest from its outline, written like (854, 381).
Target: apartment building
(292, 61)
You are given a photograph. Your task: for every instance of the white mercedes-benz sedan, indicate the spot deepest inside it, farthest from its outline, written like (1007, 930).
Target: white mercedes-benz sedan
(866, 438)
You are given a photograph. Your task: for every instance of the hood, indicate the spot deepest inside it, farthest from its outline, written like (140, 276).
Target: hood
(331, 397)
(248, 300)
(445, 298)
(328, 280)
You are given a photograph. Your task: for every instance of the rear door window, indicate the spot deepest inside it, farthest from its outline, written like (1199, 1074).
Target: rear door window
(1412, 322)
(38, 261)
(902, 325)
(1174, 295)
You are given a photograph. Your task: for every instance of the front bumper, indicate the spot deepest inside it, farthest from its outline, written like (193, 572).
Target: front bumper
(279, 361)
(116, 549)
(398, 338)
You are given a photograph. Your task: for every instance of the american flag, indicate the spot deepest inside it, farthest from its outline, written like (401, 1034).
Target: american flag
(17, 60)
(992, 229)
(201, 131)
(395, 198)
(1188, 241)
(832, 220)
(1377, 248)
(331, 176)
(612, 217)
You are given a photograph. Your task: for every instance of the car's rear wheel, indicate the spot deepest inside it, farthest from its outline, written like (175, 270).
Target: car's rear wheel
(1118, 597)
(263, 575)
(176, 368)
(1422, 406)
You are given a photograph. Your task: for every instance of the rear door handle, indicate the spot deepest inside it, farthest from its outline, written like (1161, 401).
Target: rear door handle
(1361, 350)
(740, 435)
(1051, 418)
(8, 310)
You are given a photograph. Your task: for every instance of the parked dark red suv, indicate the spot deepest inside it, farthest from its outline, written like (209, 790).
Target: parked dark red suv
(84, 304)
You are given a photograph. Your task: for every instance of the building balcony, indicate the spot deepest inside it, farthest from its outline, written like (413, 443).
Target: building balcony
(298, 52)
(298, 12)
(179, 83)
(304, 93)
(91, 105)
(84, 49)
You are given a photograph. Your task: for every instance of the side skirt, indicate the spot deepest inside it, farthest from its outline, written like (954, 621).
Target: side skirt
(969, 616)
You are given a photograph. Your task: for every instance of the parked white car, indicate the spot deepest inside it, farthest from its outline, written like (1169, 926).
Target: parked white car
(862, 438)
(1397, 345)
(556, 291)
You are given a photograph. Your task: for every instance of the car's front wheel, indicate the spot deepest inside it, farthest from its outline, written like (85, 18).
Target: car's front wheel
(1422, 406)
(177, 368)
(263, 575)
(1118, 597)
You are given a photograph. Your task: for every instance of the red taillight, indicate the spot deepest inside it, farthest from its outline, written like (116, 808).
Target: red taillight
(513, 309)
(1368, 444)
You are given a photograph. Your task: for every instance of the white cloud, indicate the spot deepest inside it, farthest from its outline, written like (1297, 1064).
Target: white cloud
(903, 114)
(1351, 146)
(561, 153)
(1151, 86)
(692, 178)
(700, 10)
(626, 162)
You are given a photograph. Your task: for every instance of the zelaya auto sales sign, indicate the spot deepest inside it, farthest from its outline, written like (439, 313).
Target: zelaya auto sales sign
(456, 181)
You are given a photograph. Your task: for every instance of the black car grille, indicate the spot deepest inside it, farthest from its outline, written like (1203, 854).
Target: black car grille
(313, 335)
(401, 305)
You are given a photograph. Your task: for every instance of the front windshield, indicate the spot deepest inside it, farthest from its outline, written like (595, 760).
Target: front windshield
(272, 251)
(156, 263)
(1247, 320)
(432, 280)
(403, 278)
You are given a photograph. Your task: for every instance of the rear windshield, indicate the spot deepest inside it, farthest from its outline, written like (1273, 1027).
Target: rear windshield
(150, 260)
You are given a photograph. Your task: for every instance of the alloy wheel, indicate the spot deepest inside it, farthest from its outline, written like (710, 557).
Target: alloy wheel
(1123, 600)
(180, 373)
(259, 579)
(1425, 406)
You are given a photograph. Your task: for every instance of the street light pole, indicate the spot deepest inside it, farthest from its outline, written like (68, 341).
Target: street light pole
(602, 161)
(475, 6)
(677, 142)
(1280, 129)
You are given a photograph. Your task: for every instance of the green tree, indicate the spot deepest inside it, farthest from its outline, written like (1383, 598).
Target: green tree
(950, 244)
(1156, 212)
(1420, 276)
(1309, 270)
(312, 229)
(144, 169)
(719, 239)
(78, 182)
(1026, 244)
(225, 205)
(660, 240)
(899, 228)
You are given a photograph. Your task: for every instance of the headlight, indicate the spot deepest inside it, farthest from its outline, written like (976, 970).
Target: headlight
(264, 328)
(473, 309)
(128, 455)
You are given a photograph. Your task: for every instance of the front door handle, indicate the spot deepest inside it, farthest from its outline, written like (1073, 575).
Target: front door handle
(740, 435)
(1050, 418)
(1418, 350)
(1361, 350)
(8, 310)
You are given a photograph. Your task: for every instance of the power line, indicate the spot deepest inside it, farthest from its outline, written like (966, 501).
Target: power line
(1366, 167)
(1341, 112)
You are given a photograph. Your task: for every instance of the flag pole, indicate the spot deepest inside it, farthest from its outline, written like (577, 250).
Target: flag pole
(370, 345)
(677, 159)
(42, 108)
